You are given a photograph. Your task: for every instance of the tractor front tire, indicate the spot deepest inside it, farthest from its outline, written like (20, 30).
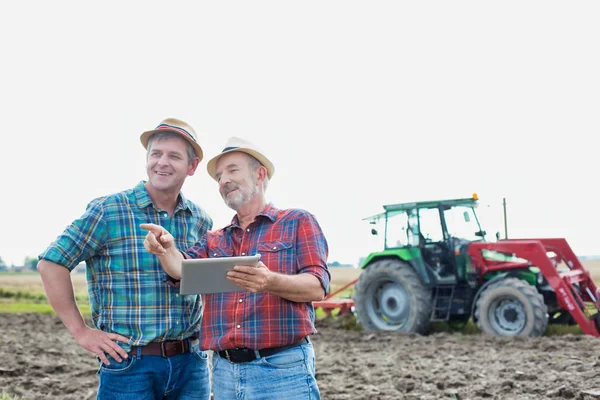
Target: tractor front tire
(389, 296)
(511, 307)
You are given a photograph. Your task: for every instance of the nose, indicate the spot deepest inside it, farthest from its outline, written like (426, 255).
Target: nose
(163, 160)
(223, 181)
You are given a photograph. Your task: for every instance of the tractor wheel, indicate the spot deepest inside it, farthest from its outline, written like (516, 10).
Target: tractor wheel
(511, 307)
(389, 296)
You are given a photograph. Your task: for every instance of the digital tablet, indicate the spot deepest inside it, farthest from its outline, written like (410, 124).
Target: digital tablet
(208, 275)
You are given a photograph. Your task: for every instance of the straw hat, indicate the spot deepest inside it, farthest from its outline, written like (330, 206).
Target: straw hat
(176, 126)
(239, 144)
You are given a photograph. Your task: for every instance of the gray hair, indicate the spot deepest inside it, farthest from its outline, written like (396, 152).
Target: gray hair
(253, 163)
(165, 135)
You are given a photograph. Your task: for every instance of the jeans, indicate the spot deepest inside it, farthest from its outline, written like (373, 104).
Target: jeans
(184, 376)
(289, 375)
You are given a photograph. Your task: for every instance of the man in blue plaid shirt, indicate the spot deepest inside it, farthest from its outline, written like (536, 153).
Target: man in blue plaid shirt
(145, 333)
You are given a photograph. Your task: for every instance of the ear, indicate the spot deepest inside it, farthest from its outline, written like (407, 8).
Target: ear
(192, 166)
(261, 174)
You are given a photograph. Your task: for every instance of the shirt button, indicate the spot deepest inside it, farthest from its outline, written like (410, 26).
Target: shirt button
(275, 248)
(164, 214)
(248, 230)
(214, 255)
(243, 254)
(241, 300)
(239, 326)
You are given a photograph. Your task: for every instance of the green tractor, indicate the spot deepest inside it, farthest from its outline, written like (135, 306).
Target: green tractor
(437, 266)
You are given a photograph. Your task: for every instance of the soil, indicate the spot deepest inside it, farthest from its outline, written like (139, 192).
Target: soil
(39, 359)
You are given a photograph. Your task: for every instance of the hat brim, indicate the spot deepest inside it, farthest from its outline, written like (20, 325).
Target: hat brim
(212, 163)
(146, 136)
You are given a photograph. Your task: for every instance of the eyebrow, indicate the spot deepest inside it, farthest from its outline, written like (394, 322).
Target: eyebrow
(228, 166)
(175, 152)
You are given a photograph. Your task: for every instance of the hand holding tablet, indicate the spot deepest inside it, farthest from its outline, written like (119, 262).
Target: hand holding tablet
(209, 275)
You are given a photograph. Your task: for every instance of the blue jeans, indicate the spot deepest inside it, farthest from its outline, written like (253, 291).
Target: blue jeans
(184, 376)
(289, 375)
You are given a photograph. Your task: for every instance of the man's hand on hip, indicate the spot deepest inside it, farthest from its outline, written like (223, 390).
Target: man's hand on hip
(102, 343)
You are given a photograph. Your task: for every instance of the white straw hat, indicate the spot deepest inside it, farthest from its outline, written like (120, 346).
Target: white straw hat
(239, 144)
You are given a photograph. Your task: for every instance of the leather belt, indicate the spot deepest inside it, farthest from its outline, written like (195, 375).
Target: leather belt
(167, 348)
(243, 354)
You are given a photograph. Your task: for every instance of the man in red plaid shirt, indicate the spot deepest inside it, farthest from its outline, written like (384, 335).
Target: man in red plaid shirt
(260, 337)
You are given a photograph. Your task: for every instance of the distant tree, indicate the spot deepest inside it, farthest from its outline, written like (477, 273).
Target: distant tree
(2, 263)
(30, 263)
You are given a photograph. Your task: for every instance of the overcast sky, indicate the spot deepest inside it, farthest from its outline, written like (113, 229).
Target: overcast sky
(358, 104)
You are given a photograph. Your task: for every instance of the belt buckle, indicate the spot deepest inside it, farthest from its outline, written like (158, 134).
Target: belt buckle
(177, 348)
(163, 352)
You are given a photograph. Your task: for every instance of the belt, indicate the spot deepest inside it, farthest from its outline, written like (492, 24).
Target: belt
(244, 354)
(165, 349)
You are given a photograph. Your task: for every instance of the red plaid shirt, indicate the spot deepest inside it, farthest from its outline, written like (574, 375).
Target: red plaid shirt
(290, 242)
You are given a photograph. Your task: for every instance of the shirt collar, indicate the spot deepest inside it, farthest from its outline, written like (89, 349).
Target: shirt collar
(269, 212)
(143, 198)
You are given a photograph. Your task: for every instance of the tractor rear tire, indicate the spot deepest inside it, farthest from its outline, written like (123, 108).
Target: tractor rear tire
(511, 307)
(389, 296)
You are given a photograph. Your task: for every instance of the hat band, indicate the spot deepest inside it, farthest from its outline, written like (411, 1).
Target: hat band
(229, 148)
(176, 128)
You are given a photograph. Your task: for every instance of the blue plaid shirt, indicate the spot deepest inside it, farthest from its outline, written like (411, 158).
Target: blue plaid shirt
(128, 290)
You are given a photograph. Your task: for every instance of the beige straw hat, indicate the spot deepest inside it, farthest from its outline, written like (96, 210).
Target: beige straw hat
(176, 126)
(239, 144)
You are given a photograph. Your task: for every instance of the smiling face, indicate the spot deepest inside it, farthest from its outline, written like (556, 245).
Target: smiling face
(238, 180)
(168, 164)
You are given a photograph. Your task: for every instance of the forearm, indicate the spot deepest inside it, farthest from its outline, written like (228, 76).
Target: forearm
(59, 291)
(171, 262)
(301, 288)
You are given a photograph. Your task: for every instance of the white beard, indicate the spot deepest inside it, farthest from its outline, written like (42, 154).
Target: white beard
(242, 196)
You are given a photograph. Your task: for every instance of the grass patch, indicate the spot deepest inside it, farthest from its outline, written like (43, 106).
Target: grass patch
(38, 308)
(21, 295)
(6, 396)
(350, 322)
(560, 330)
(468, 328)
(20, 273)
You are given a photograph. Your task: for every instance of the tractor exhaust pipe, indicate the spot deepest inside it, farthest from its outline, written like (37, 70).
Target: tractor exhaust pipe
(505, 222)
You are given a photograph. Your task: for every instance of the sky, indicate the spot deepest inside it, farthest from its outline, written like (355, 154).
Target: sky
(358, 104)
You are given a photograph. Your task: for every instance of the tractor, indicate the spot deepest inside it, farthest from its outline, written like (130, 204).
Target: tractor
(436, 265)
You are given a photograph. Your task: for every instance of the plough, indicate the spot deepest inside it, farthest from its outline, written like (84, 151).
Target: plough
(331, 303)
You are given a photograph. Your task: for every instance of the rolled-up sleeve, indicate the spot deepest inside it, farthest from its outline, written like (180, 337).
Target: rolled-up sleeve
(198, 250)
(312, 250)
(81, 240)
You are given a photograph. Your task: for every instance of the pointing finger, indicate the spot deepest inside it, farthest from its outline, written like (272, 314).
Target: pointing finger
(156, 229)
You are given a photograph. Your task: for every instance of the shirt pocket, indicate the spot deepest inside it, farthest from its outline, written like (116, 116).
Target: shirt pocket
(220, 252)
(278, 256)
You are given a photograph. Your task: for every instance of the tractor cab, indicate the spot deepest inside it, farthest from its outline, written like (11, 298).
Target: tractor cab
(432, 235)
